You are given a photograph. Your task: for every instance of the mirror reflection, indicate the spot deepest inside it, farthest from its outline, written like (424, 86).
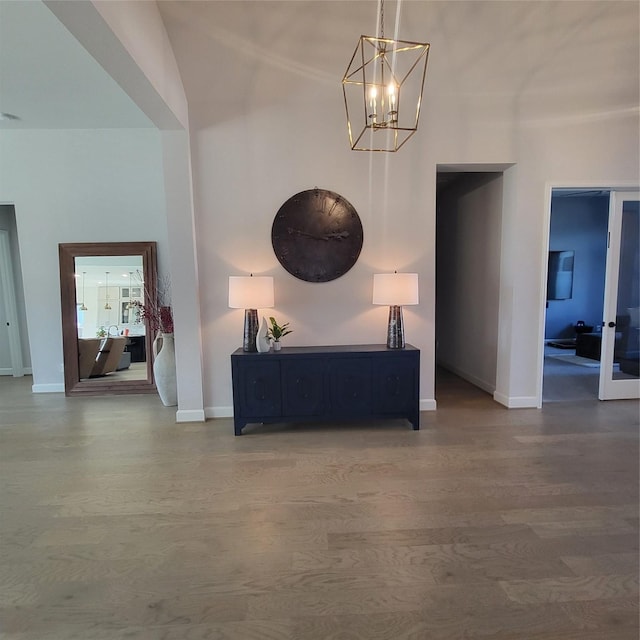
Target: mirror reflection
(111, 333)
(106, 341)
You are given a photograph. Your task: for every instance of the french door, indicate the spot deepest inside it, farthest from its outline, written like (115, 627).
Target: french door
(620, 357)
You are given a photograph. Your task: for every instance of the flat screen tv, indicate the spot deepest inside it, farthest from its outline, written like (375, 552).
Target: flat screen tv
(560, 275)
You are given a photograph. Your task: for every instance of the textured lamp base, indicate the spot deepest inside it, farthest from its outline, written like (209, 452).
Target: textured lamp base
(395, 330)
(250, 330)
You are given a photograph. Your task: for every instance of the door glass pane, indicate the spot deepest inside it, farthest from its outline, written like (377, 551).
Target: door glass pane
(627, 344)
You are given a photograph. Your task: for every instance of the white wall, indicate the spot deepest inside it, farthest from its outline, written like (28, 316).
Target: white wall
(130, 42)
(468, 277)
(184, 273)
(128, 39)
(76, 186)
(551, 87)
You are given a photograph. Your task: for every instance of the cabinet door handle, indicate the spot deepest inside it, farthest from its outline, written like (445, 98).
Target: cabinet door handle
(612, 324)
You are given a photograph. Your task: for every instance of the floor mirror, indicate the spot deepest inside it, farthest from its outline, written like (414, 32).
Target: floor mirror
(107, 343)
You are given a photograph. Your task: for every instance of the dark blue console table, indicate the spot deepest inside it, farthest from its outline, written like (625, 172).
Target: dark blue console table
(298, 384)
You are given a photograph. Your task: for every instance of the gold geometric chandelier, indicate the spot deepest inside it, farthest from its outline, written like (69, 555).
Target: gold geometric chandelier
(382, 90)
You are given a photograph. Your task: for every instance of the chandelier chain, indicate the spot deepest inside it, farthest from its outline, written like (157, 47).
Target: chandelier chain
(382, 18)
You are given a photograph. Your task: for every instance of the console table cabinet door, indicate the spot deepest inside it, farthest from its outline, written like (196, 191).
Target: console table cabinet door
(350, 380)
(303, 388)
(395, 383)
(259, 387)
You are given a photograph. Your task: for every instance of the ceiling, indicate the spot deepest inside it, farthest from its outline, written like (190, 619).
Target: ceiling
(119, 268)
(48, 79)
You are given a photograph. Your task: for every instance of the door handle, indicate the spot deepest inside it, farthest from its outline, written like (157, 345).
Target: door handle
(612, 324)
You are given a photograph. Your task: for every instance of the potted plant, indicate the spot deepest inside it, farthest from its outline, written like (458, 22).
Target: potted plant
(277, 331)
(156, 308)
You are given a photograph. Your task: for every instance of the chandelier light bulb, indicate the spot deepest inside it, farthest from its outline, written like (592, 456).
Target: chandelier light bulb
(373, 95)
(393, 112)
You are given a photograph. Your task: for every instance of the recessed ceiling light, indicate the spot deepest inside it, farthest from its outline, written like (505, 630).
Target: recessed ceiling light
(8, 116)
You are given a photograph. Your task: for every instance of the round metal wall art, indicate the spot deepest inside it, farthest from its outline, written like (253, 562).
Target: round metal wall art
(317, 235)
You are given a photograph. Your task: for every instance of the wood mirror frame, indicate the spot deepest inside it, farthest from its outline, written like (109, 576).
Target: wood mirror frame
(68, 252)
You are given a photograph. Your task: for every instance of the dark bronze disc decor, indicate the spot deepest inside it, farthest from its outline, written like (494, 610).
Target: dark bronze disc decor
(317, 235)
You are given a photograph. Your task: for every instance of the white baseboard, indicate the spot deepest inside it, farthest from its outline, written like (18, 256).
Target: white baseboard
(517, 402)
(48, 388)
(190, 415)
(428, 405)
(4, 371)
(218, 412)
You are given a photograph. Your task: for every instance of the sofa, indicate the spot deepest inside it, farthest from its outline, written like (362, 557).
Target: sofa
(627, 343)
(99, 356)
(629, 353)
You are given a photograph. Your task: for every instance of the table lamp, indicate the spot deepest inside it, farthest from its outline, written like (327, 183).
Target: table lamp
(250, 293)
(395, 290)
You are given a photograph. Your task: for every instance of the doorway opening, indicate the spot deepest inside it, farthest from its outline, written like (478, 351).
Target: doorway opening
(575, 294)
(469, 205)
(593, 326)
(14, 344)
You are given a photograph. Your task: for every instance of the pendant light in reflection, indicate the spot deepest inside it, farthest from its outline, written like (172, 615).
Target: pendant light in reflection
(107, 306)
(82, 305)
(130, 305)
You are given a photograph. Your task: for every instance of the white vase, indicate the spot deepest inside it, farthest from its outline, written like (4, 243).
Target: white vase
(276, 345)
(164, 369)
(262, 340)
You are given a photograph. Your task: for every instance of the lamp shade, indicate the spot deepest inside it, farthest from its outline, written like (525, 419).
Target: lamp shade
(250, 292)
(395, 288)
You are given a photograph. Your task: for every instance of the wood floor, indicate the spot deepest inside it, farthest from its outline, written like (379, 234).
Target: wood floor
(487, 523)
